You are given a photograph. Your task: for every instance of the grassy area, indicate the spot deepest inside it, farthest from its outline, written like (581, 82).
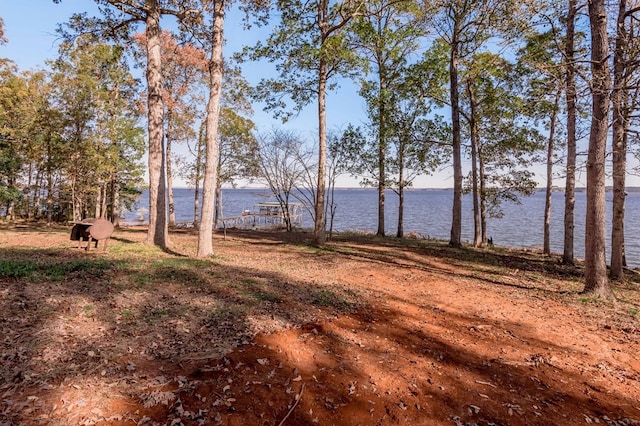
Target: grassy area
(94, 318)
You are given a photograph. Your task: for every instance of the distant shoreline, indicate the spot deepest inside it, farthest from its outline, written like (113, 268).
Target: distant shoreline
(634, 189)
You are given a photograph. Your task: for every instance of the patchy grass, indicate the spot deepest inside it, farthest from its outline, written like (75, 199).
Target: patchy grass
(47, 269)
(365, 330)
(329, 298)
(17, 268)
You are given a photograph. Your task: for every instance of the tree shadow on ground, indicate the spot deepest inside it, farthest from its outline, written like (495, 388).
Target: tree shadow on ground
(150, 335)
(499, 267)
(375, 367)
(81, 317)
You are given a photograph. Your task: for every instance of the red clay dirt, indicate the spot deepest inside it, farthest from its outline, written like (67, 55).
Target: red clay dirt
(407, 334)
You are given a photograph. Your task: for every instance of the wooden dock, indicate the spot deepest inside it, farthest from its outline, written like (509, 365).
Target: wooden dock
(267, 215)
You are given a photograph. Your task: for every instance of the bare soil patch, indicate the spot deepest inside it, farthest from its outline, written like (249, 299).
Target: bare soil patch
(273, 331)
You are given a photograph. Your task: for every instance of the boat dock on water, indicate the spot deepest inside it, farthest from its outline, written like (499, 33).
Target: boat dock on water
(267, 214)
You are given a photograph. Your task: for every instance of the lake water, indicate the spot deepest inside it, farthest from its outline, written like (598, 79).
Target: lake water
(428, 212)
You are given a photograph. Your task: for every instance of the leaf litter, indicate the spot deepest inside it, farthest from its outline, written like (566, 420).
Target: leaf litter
(357, 336)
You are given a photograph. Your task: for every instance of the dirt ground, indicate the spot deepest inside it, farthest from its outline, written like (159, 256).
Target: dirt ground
(273, 331)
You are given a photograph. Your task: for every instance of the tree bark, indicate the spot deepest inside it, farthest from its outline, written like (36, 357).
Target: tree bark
(196, 196)
(619, 147)
(400, 232)
(477, 236)
(483, 195)
(596, 281)
(205, 241)
(158, 231)
(546, 246)
(115, 200)
(381, 151)
(103, 210)
(456, 217)
(49, 187)
(217, 214)
(319, 231)
(570, 182)
(98, 203)
(169, 136)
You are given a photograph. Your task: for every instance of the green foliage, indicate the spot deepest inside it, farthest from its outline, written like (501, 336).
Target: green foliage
(182, 271)
(265, 297)
(328, 298)
(400, 89)
(72, 130)
(507, 139)
(238, 148)
(17, 269)
(17, 117)
(3, 39)
(42, 270)
(126, 314)
(303, 48)
(9, 193)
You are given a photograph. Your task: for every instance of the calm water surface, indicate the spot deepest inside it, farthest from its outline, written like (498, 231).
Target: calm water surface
(428, 212)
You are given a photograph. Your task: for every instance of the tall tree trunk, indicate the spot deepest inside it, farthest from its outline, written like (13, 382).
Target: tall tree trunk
(570, 182)
(37, 196)
(98, 205)
(483, 195)
(619, 146)
(49, 191)
(115, 200)
(218, 208)
(205, 240)
(400, 232)
(196, 192)
(103, 209)
(169, 136)
(158, 232)
(29, 196)
(319, 231)
(11, 206)
(477, 237)
(595, 274)
(546, 246)
(382, 150)
(456, 217)
(74, 206)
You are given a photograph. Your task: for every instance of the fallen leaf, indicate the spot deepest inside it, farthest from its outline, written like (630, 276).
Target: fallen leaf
(352, 388)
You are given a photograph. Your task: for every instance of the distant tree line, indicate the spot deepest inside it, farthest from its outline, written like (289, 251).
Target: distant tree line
(70, 143)
(486, 88)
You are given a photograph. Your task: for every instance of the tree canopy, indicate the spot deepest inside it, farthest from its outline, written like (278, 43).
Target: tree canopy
(468, 87)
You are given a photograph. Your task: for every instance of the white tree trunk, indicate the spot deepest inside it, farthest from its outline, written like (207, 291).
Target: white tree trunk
(570, 180)
(205, 242)
(158, 232)
(320, 229)
(595, 273)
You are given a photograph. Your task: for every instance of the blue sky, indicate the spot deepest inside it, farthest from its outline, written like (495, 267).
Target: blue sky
(30, 27)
